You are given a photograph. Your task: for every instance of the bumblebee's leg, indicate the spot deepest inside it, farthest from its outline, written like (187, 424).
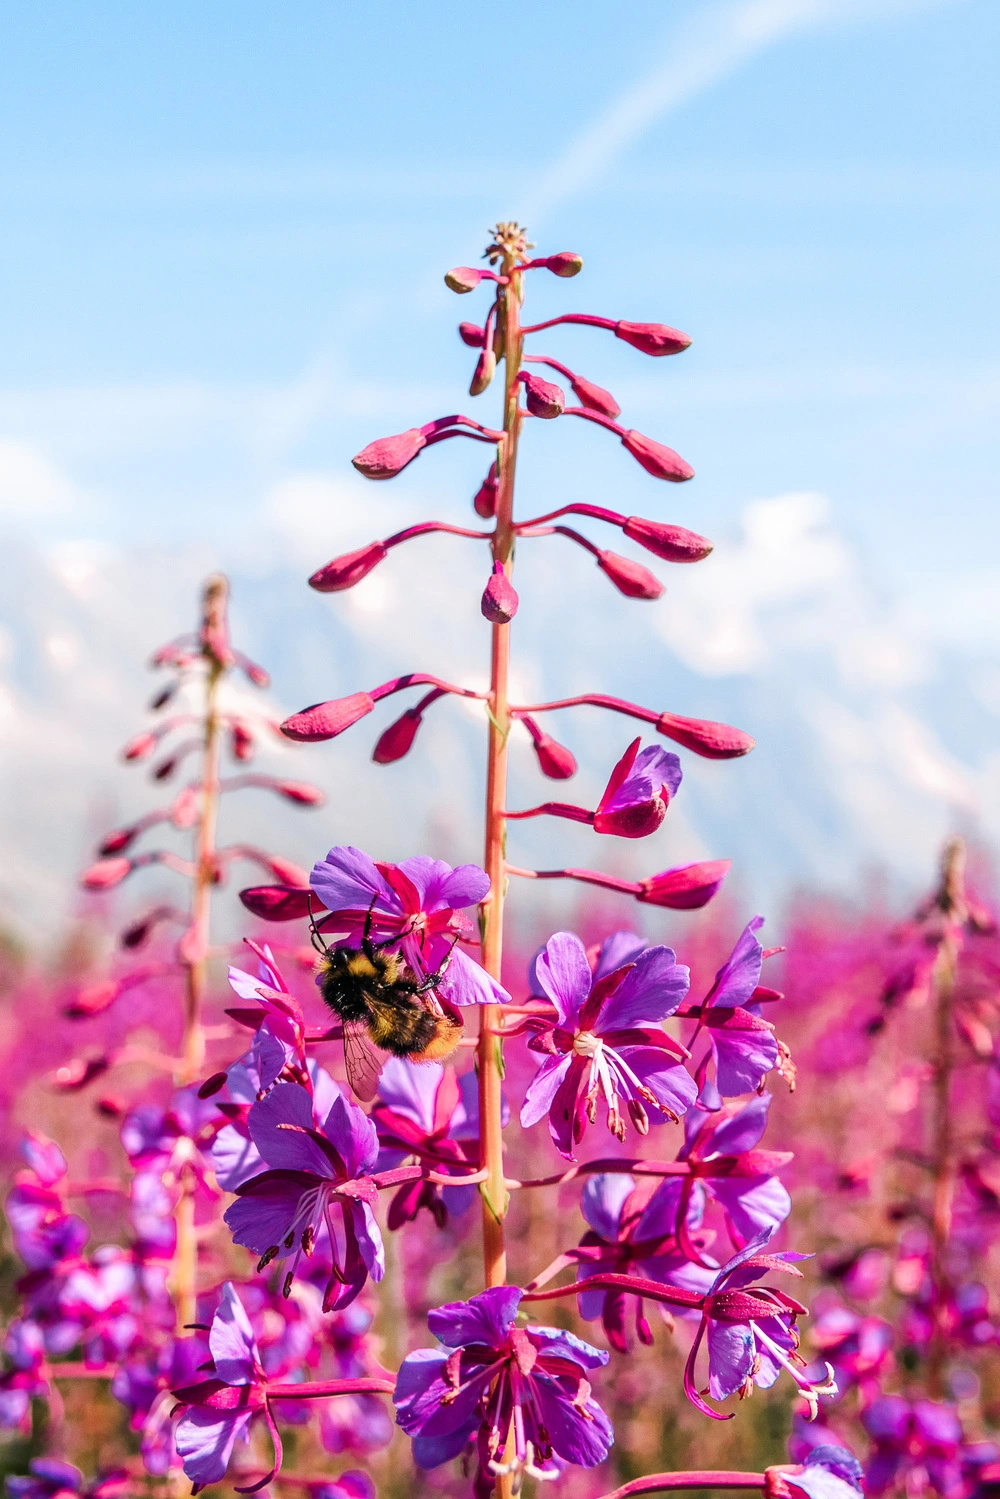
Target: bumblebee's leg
(367, 946)
(314, 937)
(433, 979)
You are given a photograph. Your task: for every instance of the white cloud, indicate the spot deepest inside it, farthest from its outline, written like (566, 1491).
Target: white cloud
(32, 487)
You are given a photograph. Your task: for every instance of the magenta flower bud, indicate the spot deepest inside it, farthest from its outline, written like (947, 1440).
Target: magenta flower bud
(343, 572)
(163, 697)
(499, 601)
(672, 543)
(301, 792)
(140, 748)
(716, 741)
(653, 338)
(554, 759)
(594, 397)
(279, 902)
(92, 1000)
(388, 456)
(165, 769)
(542, 397)
(397, 740)
(138, 933)
(685, 889)
(485, 501)
(105, 874)
(327, 720)
(78, 1073)
(656, 458)
(118, 841)
(241, 741)
(287, 872)
(566, 263)
(463, 278)
(486, 368)
(630, 578)
(472, 334)
(254, 673)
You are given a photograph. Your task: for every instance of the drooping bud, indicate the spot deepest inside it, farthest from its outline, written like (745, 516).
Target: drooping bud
(594, 397)
(301, 792)
(463, 278)
(327, 720)
(656, 458)
(388, 456)
(565, 263)
(118, 841)
(554, 759)
(212, 1085)
(672, 543)
(343, 572)
(140, 748)
(258, 675)
(165, 769)
(163, 697)
(630, 578)
(715, 741)
(486, 368)
(687, 888)
(279, 902)
(241, 741)
(105, 874)
(472, 334)
(288, 872)
(541, 397)
(485, 501)
(653, 338)
(397, 740)
(138, 933)
(499, 602)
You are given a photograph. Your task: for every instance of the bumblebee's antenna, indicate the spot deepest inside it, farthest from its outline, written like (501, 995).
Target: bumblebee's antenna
(314, 937)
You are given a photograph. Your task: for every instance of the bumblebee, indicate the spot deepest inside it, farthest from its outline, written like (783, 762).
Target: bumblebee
(383, 1004)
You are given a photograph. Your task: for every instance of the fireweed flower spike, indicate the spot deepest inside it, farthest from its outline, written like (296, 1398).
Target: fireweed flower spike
(285, 1209)
(502, 1386)
(606, 1047)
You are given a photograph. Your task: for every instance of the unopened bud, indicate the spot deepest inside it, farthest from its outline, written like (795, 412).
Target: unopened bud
(110, 1107)
(716, 741)
(212, 1085)
(595, 397)
(165, 769)
(92, 1000)
(344, 572)
(554, 759)
(140, 748)
(472, 334)
(163, 697)
(485, 501)
(78, 1073)
(184, 812)
(117, 842)
(241, 741)
(463, 278)
(254, 673)
(137, 934)
(566, 263)
(397, 740)
(105, 874)
(287, 872)
(499, 601)
(301, 792)
(486, 368)
(656, 458)
(687, 888)
(672, 543)
(279, 902)
(541, 397)
(388, 456)
(653, 338)
(630, 578)
(327, 720)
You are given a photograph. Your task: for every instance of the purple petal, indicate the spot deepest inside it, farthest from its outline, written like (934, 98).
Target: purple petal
(287, 1149)
(568, 1345)
(752, 1203)
(235, 1158)
(204, 1441)
(740, 973)
(564, 975)
(325, 1090)
(444, 888)
(591, 1303)
(617, 950)
(740, 1257)
(602, 1200)
(671, 1085)
(731, 1354)
(541, 1091)
(264, 1217)
(369, 1238)
(44, 1158)
(819, 1483)
(650, 991)
(676, 1270)
(246, 985)
(411, 1091)
(465, 1120)
(744, 1130)
(659, 1217)
(231, 1341)
(466, 982)
(742, 1058)
(347, 880)
(485, 1318)
(581, 1437)
(352, 1134)
(653, 767)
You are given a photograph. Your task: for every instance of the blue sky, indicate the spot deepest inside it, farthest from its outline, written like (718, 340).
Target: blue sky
(225, 229)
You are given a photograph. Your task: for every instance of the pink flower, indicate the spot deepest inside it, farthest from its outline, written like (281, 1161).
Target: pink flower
(637, 794)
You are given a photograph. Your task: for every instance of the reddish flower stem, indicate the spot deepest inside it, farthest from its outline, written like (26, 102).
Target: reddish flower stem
(635, 1285)
(587, 876)
(614, 1163)
(657, 1483)
(434, 525)
(420, 679)
(594, 700)
(563, 531)
(595, 512)
(571, 317)
(323, 1388)
(554, 809)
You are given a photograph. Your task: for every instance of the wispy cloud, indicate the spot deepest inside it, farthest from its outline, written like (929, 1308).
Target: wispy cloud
(716, 42)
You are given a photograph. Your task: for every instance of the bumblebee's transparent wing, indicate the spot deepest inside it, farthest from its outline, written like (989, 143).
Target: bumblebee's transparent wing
(364, 1064)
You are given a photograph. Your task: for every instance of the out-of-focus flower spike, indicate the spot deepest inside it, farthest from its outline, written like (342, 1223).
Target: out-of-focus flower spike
(715, 741)
(686, 888)
(99, 997)
(241, 741)
(554, 759)
(303, 793)
(499, 602)
(542, 398)
(163, 697)
(250, 669)
(106, 873)
(485, 501)
(184, 810)
(142, 745)
(630, 578)
(672, 543)
(344, 572)
(118, 841)
(176, 652)
(75, 1075)
(214, 634)
(472, 335)
(465, 278)
(140, 931)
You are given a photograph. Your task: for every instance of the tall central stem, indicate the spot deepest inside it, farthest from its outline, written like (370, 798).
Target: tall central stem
(196, 942)
(490, 1053)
